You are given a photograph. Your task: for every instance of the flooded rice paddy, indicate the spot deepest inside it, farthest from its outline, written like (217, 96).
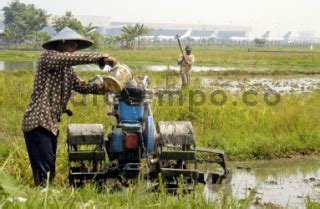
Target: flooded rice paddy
(194, 68)
(19, 65)
(282, 84)
(275, 183)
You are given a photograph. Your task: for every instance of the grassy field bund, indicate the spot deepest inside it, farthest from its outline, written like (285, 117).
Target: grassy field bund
(287, 60)
(259, 132)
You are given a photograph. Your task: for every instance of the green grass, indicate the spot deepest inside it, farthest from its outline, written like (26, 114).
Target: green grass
(205, 55)
(312, 204)
(258, 132)
(15, 55)
(135, 196)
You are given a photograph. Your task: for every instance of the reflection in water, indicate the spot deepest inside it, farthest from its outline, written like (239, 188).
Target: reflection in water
(194, 68)
(91, 67)
(2, 65)
(280, 182)
(281, 84)
(21, 65)
(236, 84)
(17, 65)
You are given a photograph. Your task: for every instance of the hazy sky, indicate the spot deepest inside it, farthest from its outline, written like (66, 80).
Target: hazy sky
(279, 16)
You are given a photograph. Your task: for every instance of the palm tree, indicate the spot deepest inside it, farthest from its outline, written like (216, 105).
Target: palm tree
(114, 39)
(141, 30)
(128, 35)
(132, 33)
(89, 29)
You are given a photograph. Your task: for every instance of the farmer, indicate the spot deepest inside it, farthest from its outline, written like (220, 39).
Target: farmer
(186, 61)
(54, 81)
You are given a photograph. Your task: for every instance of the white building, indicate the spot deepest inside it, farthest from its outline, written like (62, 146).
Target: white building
(306, 35)
(1, 22)
(98, 21)
(223, 31)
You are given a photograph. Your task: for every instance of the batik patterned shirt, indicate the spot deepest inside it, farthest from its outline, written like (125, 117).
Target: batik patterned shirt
(54, 82)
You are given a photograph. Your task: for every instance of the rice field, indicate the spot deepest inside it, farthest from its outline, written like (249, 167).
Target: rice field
(262, 131)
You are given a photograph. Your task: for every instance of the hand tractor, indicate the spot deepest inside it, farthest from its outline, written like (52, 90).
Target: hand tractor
(136, 146)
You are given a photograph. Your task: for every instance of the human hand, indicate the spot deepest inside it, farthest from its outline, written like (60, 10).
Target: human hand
(111, 61)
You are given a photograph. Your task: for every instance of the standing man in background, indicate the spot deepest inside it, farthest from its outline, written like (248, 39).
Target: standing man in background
(186, 61)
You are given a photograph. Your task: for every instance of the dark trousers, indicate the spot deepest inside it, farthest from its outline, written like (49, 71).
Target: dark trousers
(42, 147)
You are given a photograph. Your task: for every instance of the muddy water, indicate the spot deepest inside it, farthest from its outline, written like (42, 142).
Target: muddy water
(234, 84)
(21, 65)
(286, 182)
(194, 68)
(17, 65)
(281, 84)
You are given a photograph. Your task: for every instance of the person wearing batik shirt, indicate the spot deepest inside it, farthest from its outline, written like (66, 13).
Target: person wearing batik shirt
(54, 82)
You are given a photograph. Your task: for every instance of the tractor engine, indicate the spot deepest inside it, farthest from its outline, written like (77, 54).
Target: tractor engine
(132, 138)
(135, 144)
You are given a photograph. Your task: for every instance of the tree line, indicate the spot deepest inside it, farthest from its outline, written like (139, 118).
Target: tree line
(24, 24)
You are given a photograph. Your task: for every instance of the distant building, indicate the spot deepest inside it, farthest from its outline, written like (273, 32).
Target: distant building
(2, 22)
(167, 32)
(50, 30)
(1, 15)
(98, 21)
(306, 35)
(201, 33)
(167, 29)
(2, 26)
(111, 31)
(108, 28)
(101, 22)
